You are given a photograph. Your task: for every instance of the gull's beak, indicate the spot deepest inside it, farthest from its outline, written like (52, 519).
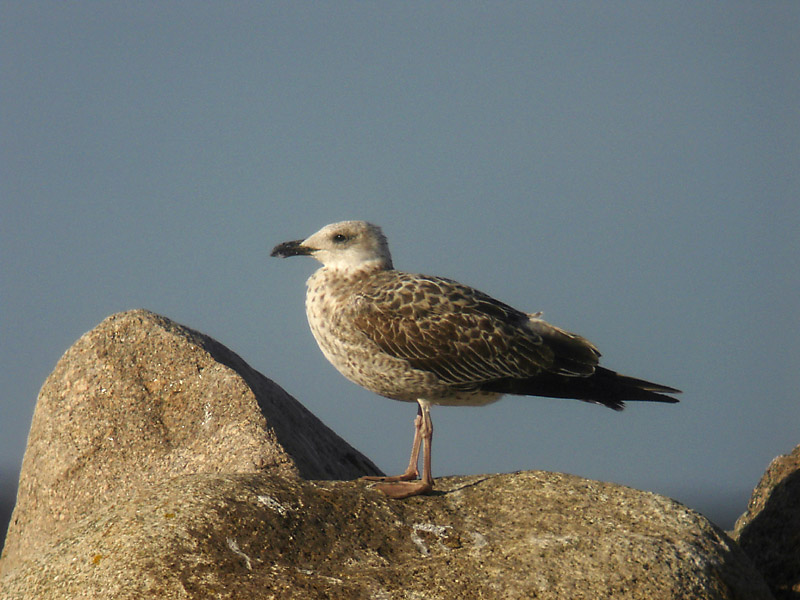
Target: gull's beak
(294, 248)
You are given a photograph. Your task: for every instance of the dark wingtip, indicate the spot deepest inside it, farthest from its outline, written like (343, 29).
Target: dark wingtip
(604, 387)
(294, 248)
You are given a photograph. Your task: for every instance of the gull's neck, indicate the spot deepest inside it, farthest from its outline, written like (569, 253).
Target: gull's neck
(349, 271)
(347, 268)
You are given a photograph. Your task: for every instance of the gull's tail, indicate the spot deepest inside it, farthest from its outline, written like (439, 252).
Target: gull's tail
(602, 387)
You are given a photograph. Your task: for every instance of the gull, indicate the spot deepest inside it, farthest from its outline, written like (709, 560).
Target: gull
(431, 340)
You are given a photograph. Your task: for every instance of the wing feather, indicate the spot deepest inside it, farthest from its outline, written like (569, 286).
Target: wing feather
(460, 334)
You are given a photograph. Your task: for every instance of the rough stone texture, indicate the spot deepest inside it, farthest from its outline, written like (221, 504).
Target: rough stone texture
(525, 535)
(140, 399)
(160, 465)
(769, 532)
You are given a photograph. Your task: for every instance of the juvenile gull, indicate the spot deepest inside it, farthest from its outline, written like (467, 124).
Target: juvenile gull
(432, 340)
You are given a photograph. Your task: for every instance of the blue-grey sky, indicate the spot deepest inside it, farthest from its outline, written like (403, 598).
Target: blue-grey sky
(631, 169)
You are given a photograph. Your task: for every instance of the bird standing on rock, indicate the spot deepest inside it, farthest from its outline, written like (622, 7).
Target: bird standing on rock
(431, 340)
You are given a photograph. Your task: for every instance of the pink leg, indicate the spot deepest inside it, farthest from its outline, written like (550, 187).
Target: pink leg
(403, 485)
(411, 471)
(427, 442)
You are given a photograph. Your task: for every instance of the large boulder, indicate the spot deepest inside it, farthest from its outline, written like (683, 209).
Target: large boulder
(769, 532)
(525, 535)
(160, 465)
(140, 399)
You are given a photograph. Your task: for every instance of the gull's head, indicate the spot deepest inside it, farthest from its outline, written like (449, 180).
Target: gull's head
(342, 245)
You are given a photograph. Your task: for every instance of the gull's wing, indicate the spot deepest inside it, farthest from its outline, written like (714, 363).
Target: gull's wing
(462, 335)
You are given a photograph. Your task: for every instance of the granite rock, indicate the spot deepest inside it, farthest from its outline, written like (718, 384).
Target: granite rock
(159, 464)
(769, 532)
(140, 399)
(524, 535)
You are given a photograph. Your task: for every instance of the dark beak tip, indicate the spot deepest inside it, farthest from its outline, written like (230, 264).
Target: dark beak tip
(287, 249)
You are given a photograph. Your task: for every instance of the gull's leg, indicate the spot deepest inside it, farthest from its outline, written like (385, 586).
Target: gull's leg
(427, 441)
(402, 488)
(411, 471)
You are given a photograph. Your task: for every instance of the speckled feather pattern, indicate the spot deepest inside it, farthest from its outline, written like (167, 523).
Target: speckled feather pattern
(408, 336)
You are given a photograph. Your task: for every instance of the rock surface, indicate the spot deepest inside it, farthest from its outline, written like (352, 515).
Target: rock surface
(525, 535)
(160, 465)
(140, 399)
(769, 532)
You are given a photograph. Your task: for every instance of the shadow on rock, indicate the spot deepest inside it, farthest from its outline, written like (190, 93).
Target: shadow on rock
(771, 538)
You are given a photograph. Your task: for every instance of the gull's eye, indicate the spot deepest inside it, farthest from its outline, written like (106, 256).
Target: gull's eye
(339, 238)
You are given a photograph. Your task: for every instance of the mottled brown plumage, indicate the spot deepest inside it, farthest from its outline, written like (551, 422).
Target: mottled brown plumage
(463, 336)
(435, 341)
